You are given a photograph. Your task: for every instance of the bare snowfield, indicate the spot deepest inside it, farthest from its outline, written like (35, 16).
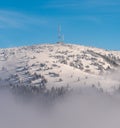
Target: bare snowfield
(60, 65)
(89, 75)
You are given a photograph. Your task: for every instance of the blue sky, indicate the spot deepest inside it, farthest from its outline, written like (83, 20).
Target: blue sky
(86, 22)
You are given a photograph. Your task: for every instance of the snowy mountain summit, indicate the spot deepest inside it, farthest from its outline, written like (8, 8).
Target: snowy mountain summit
(60, 65)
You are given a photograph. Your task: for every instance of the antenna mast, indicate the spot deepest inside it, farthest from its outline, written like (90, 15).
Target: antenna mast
(59, 33)
(60, 36)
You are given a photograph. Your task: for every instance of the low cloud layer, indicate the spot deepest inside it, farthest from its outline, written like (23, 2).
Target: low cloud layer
(82, 109)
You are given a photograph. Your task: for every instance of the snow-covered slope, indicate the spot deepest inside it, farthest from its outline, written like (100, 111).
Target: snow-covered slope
(60, 65)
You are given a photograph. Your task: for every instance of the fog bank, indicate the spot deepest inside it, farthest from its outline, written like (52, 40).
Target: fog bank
(81, 109)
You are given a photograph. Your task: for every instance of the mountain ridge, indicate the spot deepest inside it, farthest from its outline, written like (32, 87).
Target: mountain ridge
(57, 65)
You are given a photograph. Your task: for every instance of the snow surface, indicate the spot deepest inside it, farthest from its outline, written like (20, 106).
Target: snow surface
(61, 65)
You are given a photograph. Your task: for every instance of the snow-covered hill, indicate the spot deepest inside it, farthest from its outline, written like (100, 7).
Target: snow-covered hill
(57, 65)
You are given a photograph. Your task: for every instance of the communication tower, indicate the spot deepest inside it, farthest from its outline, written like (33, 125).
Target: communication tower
(60, 36)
